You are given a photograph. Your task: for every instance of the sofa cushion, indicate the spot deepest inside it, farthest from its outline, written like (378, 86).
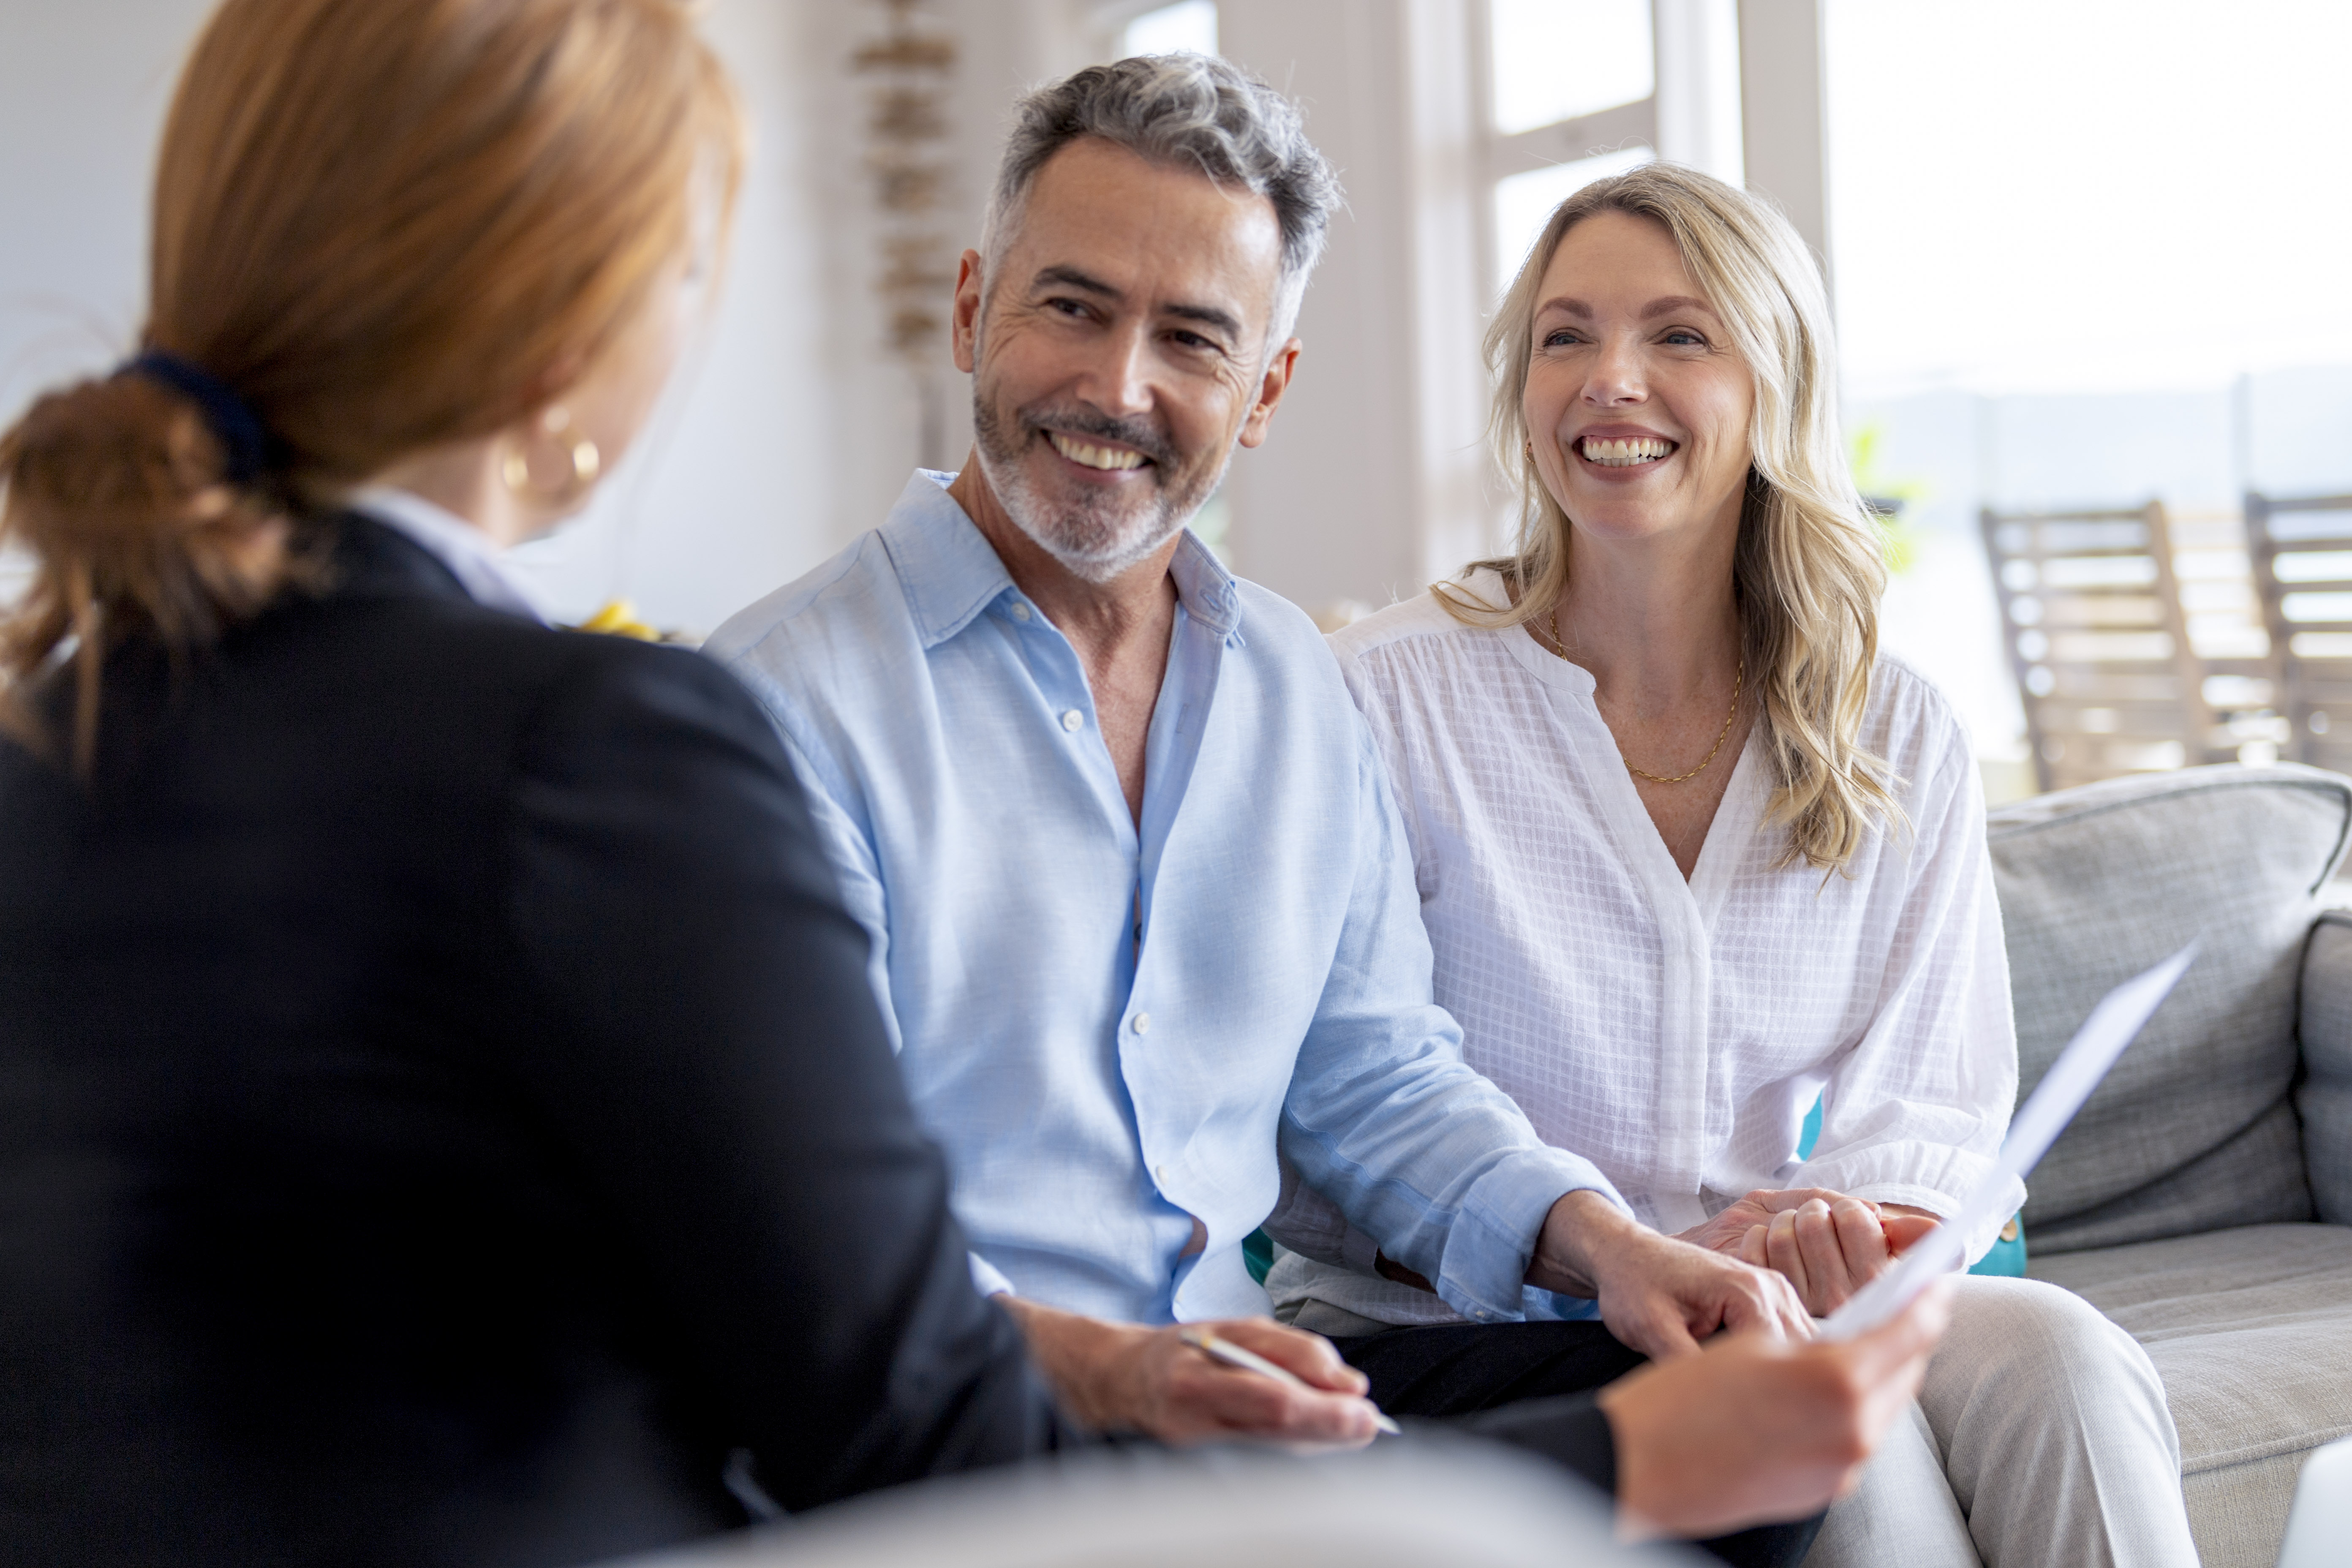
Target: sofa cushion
(2252, 1332)
(2195, 1129)
(2325, 1098)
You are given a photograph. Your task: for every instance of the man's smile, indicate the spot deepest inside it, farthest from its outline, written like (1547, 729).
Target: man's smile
(1088, 454)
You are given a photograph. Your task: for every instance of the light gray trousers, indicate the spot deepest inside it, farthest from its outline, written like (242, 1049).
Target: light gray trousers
(2039, 1437)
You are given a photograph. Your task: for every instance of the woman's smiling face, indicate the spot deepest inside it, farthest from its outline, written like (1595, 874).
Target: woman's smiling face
(1636, 403)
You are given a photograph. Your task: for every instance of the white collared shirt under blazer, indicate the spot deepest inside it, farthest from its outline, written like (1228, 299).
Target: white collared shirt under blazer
(1676, 1033)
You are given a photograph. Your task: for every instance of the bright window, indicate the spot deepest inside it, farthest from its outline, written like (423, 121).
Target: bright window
(1190, 24)
(2058, 196)
(2088, 255)
(1563, 60)
(1573, 99)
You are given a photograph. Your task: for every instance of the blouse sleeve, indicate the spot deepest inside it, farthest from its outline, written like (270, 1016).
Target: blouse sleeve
(1915, 1110)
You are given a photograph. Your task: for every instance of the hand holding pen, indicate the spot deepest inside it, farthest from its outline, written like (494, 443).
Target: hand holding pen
(1204, 1340)
(1166, 1383)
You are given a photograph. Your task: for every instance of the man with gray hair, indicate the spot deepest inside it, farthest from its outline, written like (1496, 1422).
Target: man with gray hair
(1142, 913)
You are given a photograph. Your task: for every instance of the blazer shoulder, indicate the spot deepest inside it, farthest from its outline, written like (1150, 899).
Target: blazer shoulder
(639, 684)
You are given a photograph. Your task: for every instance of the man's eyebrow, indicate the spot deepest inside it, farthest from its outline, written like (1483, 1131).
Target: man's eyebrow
(1224, 322)
(1207, 315)
(1071, 278)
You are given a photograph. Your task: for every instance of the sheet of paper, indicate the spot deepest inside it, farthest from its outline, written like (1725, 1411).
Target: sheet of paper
(2111, 1027)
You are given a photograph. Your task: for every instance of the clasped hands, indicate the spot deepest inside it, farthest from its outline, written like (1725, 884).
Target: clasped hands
(1826, 1245)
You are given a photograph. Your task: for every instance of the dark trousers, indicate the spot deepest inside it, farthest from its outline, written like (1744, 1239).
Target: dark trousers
(1530, 1384)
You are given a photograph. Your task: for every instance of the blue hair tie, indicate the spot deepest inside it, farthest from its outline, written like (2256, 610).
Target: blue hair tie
(230, 417)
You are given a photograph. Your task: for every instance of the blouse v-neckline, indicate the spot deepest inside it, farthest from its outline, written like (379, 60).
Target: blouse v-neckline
(1736, 816)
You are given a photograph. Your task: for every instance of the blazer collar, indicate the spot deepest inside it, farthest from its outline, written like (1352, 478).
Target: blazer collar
(375, 560)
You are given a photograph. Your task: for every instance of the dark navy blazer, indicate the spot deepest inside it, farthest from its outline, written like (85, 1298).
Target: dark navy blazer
(443, 1113)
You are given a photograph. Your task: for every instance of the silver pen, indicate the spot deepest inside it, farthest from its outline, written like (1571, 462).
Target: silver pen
(1232, 1355)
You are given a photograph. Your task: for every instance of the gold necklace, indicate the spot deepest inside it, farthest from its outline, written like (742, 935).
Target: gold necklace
(1721, 735)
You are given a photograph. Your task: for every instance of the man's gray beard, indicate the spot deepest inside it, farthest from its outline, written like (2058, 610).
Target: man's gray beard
(1091, 547)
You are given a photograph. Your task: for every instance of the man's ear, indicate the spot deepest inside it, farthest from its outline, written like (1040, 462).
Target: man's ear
(1279, 369)
(966, 317)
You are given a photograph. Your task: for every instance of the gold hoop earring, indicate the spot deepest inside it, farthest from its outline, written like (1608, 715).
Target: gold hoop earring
(587, 461)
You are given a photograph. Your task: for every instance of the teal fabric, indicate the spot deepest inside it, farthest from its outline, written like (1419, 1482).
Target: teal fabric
(2007, 1258)
(1258, 1255)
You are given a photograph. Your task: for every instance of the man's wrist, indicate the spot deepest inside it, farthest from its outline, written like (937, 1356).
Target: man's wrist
(1079, 1356)
(1577, 1232)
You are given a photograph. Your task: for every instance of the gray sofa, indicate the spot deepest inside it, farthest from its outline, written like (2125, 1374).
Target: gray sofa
(2203, 1197)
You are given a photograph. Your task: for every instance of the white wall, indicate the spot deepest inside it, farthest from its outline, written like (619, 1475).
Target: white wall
(1373, 479)
(82, 92)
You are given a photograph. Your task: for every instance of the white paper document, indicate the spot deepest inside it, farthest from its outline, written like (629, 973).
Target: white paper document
(2062, 1091)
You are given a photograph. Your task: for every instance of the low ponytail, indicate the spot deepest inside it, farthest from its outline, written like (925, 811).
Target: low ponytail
(145, 518)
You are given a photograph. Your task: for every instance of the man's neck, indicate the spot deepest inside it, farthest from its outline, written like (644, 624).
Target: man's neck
(1099, 618)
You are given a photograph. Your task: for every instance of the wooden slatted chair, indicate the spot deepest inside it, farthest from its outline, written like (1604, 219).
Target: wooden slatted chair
(2302, 553)
(2243, 684)
(2099, 643)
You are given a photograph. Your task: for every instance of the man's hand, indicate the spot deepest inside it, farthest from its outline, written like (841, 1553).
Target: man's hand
(1658, 1295)
(1754, 1430)
(1124, 1377)
(1828, 1245)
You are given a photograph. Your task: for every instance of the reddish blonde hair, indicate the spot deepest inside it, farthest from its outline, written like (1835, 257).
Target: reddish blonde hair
(386, 224)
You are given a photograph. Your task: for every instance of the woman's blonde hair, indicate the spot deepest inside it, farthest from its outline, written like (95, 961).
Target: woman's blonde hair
(1810, 559)
(383, 225)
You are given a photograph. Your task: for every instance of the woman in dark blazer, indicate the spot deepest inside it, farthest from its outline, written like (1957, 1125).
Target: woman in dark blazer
(443, 1118)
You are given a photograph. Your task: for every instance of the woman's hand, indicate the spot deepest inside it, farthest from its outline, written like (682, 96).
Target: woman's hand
(1754, 1429)
(1828, 1245)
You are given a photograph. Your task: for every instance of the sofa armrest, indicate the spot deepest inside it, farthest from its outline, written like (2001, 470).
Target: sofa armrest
(2325, 1098)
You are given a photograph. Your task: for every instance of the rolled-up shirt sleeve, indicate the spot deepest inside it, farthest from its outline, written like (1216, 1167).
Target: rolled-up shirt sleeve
(1383, 1117)
(1914, 1112)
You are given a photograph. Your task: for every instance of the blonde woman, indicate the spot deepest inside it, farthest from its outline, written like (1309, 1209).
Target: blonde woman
(1692, 851)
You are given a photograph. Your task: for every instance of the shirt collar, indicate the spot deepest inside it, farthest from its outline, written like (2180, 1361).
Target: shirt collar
(951, 573)
(479, 566)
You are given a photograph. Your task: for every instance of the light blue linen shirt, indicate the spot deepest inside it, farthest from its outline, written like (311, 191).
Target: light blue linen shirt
(1110, 1031)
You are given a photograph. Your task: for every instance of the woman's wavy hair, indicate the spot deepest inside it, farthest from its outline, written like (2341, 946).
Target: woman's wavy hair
(1810, 559)
(383, 225)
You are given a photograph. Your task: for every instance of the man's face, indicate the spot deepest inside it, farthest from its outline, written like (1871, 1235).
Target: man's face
(1122, 353)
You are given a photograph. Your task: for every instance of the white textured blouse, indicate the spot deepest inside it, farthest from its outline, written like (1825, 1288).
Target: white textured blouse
(1675, 1033)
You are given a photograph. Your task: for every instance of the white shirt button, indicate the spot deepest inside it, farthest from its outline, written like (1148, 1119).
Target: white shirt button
(1020, 610)
(1142, 1025)
(1071, 718)
(1159, 1174)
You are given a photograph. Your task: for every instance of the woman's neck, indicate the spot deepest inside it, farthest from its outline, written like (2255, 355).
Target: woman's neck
(463, 478)
(1653, 619)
